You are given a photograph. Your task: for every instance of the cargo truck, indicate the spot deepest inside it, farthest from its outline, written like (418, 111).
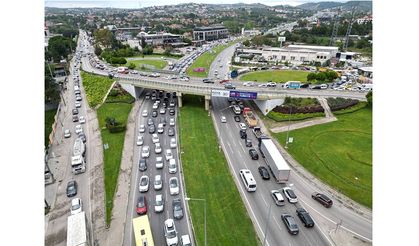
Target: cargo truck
(78, 165)
(77, 233)
(258, 133)
(292, 84)
(249, 117)
(276, 163)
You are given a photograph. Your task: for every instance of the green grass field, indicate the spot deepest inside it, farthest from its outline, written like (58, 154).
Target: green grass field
(205, 61)
(112, 155)
(49, 120)
(276, 76)
(96, 87)
(339, 153)
(158, 64)
(156, 56)
(207, 177)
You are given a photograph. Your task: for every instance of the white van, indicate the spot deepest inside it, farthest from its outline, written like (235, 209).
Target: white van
(248, 180)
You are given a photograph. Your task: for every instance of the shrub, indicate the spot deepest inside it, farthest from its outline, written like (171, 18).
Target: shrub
(352, 109)
(117, 128)
(340, 103)
(293, 117)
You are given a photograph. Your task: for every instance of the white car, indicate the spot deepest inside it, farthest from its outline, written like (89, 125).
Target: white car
(263, 85)
(145, 152)
(173, 143)
(249, 83)
(242, 126)
(184, 79)
(223, 119)
(79, 129)
(76, 206)
(145, 113)
(170, 232)
(157, 148)
(158, 183)
(172, 166)
(140, 140)
(141, 128)
(172, 122)
(160, 128)
(168, 154)
(78, 104)
(67, 133)
(174, 186)
(155, 138)
(159, 162)
(159, 204)
(155, 106)
(278, 199)
(185, 240)
(162, 111)
(144, 183)
(290, 195)
(82, 120)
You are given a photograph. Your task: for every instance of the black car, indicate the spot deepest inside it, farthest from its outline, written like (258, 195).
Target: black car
(174, 95)
(172, 111)
(151, 129)
(323, 199)
(306, 85)
(154, 113)
(248, 143)
(305, 217)
(172, 103)
(237, 118)
(142, 165)
(147, 95)
(243, 134)
(75, 118)
(82, 137)
(71, 188)
(177, 209)
(263, 171)
(290, 223)
(253, 154)
(208, 81)
(75, 111)
(171, 132)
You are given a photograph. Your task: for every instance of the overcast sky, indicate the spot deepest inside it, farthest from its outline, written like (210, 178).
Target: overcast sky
(146, 3)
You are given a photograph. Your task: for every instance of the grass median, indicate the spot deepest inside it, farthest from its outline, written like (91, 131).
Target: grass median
(339, 153)
(275, 76)
(158, 64)
(96, 87)
(207, 176)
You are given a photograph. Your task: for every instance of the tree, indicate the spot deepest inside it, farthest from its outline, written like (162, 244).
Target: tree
(52, 92)
(131, 65)
(59, 47)
(143, 43)
(104, 37)
(311, 76)
(320, 77)
(98, 50)
(331, 75)
(369, 98)
(148, 50)
(168, 50)
(246, 43)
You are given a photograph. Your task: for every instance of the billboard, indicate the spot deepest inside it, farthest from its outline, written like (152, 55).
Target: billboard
(199, 69)
(243, 94)
(220, 93)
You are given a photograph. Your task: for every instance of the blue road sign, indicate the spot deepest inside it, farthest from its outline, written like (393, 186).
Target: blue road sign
(243, 94)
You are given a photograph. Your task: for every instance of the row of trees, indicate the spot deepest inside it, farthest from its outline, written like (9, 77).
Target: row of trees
(59, 47)
(322, 76)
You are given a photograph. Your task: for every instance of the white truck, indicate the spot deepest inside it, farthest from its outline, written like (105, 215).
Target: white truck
(276, 163)
(78, 165)
(77, 233)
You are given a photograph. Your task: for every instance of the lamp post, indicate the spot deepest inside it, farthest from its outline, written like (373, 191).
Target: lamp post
(205, 215)
(288, 132)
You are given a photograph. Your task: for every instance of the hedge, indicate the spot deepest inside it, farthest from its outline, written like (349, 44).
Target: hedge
(294, 117)
(352, 109)
(117, 128)
(339, 103)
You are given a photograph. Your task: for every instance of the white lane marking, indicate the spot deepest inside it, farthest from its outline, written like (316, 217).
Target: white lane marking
(365, 238)
(260, 194)
(276, 221)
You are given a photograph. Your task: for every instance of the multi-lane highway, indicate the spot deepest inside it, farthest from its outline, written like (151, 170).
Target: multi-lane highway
(156, 219)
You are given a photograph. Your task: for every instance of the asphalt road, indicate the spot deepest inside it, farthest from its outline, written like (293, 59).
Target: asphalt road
(156, 219)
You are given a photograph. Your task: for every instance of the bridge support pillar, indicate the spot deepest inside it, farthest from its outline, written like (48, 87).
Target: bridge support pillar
(207, 102)
(179, 99)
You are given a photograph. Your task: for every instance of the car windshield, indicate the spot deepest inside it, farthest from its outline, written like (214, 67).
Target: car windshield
(76, 206)
(171, 234)
(173, 183)
(291, 194)
(159, 202)
(143, 181)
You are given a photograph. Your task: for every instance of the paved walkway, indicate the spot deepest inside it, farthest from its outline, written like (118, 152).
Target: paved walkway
(329, 118)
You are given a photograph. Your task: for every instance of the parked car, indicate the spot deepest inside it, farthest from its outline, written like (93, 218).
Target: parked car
(67, 133)
(290, 195)
(141, 205)
(173, 186)
(170, 232)
(278, 199)
(177, 208)
(158, 183)
(144, 183)
(159, 204)
(290, 223)
(323, 199)
(305, 217)
(263, 171)
(253, 154)
(71, 188)
(76, 206)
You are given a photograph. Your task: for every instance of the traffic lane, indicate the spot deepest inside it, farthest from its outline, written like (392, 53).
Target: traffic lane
(243, 160)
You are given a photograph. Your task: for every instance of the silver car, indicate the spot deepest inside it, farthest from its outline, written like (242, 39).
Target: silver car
(159, 204)
(144, 183)
(158, 183)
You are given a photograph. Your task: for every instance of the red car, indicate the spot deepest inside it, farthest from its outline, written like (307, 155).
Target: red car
(141, 205)
(224, 81)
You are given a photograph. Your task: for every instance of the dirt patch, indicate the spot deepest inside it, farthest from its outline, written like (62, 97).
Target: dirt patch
(57, 238)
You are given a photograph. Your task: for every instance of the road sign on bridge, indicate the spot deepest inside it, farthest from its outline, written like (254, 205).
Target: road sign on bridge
(220, 93)
(243, 94)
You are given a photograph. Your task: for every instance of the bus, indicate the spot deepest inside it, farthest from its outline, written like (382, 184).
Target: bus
(142, 231)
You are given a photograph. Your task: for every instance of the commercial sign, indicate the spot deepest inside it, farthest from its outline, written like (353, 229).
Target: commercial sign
(243, 94)
(220, 93)
(281, 39)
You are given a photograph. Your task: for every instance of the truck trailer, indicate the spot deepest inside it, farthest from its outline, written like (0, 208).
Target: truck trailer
(276, 163)
(77, 233)
(78, 164)
(249, 117)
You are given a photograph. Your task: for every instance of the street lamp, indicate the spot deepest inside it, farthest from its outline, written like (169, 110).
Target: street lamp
(205, 215)
(288, 132)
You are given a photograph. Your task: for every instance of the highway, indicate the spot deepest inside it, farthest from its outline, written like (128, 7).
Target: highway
(156, 219)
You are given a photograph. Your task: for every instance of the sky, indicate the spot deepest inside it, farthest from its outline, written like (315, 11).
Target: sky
(147, 3)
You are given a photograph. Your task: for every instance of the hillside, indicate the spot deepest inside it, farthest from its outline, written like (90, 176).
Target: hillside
(362, 5)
